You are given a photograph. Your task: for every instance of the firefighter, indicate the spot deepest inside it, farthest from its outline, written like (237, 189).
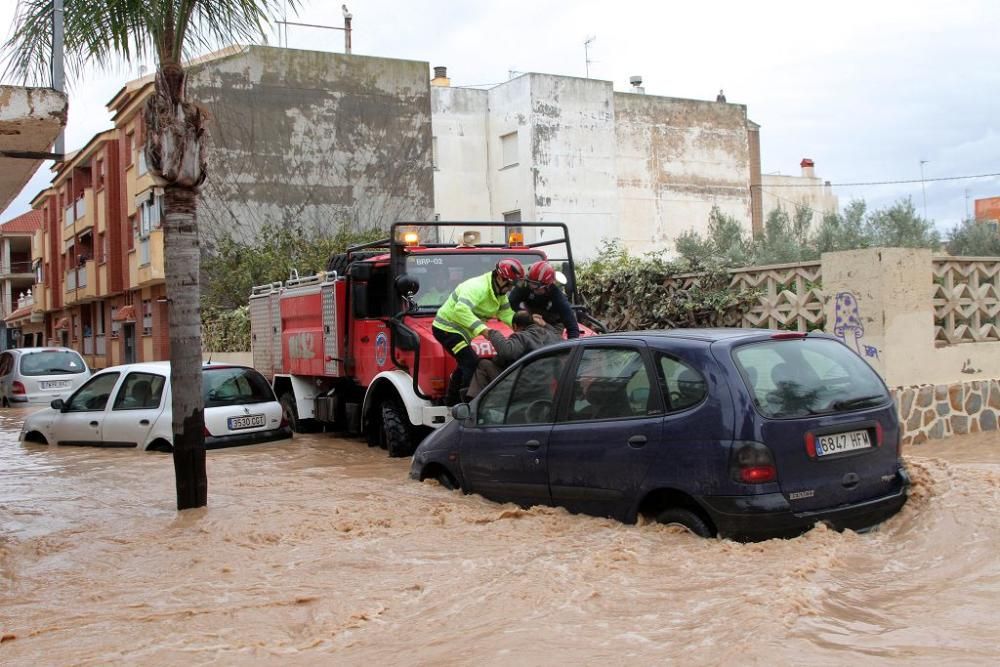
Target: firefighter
(540, 294)
(463, 316)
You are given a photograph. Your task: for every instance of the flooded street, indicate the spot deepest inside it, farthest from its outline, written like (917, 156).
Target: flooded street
(319, 550)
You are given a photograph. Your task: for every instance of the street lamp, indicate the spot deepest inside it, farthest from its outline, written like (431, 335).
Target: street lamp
(923, 188)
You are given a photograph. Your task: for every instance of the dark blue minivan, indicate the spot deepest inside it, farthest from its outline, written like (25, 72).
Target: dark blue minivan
(741, 433)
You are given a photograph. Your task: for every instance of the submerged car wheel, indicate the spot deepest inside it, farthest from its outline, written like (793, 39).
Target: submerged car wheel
(395, 435)
(690, 521)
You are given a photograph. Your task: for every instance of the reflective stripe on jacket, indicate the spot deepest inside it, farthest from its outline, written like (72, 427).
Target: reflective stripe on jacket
(470, 305)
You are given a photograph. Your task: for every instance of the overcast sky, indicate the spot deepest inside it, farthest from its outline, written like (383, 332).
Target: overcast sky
(866, 89)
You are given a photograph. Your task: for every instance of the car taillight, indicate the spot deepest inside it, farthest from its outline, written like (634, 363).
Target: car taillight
(17, 388)
(811, 445)
(879, 435)
(207, 434)
(752, 463)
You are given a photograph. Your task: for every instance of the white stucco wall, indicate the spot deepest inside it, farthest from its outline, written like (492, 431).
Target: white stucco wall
(639, 168)
(676, 159)
(459, 126)
(573, 158)
(788, 192)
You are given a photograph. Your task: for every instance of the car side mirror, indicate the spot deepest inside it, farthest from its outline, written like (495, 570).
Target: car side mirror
(57, 404)
(461, 412)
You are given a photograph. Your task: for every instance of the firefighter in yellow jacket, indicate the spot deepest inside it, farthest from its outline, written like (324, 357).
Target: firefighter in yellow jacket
(463, 317)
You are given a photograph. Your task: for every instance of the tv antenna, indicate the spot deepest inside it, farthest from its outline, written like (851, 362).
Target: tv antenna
(586, 52)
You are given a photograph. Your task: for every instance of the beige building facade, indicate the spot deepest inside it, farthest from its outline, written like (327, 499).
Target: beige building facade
(787, 193)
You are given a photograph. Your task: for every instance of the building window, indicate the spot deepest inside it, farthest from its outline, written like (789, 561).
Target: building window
(39, 273)
(132, 231)
(99, 168)
(512, 216)
(508, 149)
(102, 248)
(149, 215)
(100, 318)
(147, 317)
(116, 326)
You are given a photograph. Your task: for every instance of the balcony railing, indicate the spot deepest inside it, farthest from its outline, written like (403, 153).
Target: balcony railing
(101, 346)
(71, 280)
(7, 268)
(68, 216)
(88, 344)
(81, 208)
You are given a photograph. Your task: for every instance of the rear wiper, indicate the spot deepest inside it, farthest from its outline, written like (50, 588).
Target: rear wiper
(849, 403)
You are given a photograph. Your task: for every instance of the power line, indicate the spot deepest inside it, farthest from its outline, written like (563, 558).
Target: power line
(860, 183)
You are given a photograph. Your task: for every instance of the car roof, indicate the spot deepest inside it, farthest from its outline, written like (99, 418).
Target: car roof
(709, 335)
(162, 367)
(35, 350)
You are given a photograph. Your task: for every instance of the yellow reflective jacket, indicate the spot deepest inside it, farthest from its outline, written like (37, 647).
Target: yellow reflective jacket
(470, 305)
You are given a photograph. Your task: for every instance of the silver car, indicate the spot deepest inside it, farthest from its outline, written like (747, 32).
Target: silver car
(39, 375)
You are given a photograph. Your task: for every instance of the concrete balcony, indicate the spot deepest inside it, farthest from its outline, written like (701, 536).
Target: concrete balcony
(81, 284)
(150, 259)
(41, 295)
(85, 211)
(38, 245)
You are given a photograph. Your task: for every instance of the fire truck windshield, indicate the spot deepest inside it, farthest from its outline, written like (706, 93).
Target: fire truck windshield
(440, 273)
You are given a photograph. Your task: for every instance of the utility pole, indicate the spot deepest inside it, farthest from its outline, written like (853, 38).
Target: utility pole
(58, 75)
(586, 52)
(923, 188)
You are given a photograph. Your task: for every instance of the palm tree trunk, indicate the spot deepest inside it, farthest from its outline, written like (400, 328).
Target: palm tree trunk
(181, 267)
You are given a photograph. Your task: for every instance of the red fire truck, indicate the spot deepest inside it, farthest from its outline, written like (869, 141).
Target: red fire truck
(351, 348)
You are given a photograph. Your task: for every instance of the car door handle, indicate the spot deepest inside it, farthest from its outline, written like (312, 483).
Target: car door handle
(637, 441)
(533, 445)
(95, 423)
(144, 422)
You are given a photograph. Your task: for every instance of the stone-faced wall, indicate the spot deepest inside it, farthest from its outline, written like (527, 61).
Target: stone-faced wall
(929, 412)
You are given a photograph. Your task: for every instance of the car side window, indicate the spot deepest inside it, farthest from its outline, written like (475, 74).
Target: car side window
(611, 383)
(140, 391)
(93, 396)
(5, 363)
(683, 385)
(525, 396)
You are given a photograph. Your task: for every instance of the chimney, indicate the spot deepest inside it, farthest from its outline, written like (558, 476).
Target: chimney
(808, 168)
(636, 82)
(441, 77)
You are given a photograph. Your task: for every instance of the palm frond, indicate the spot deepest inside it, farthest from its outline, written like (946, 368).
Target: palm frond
(103, 33)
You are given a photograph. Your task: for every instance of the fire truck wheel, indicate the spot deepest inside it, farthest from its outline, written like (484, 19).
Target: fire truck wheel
(395, 435)
(292, 415)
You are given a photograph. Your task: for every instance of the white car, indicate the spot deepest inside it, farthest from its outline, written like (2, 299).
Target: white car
(33, 375)
(129, 406)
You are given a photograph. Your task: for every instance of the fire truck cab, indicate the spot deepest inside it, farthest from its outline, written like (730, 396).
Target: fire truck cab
(351, 348)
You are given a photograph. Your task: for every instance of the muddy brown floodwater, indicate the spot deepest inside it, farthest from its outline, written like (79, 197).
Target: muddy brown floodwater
(319, 550)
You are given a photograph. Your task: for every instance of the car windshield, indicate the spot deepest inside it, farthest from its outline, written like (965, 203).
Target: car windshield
(439, 274)
(52, 362)
(234, 385)
(808, 376)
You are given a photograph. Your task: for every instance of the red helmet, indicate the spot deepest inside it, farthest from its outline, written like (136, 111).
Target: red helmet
(541, 274)
(510, 269)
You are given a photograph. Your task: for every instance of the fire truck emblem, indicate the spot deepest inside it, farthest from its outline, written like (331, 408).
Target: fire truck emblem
(301, 346)
(381, 349)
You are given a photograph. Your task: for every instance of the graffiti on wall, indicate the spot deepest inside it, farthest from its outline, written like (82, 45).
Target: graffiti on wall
(849, 325)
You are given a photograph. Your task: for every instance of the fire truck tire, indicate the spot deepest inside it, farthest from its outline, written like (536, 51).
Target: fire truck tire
(340, 261)
(292, 415)
(395, 435)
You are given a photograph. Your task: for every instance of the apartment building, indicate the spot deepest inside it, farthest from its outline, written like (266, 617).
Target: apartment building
(17, 276)
(98, 255)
